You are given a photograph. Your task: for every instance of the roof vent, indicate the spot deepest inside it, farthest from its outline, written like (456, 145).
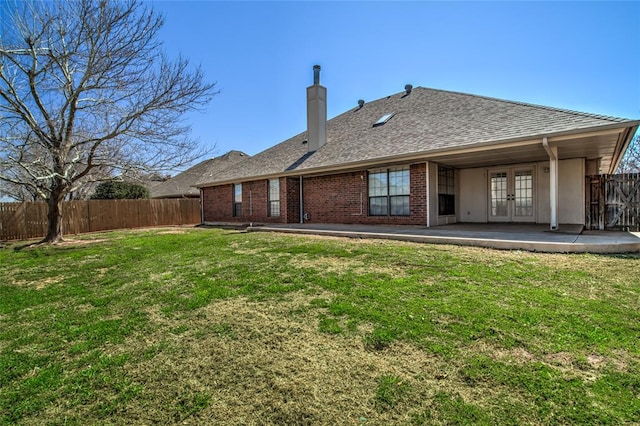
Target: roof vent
(407, 88)
(360, 103)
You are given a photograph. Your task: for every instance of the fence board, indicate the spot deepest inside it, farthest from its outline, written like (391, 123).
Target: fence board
(20, 221)
(613, 202)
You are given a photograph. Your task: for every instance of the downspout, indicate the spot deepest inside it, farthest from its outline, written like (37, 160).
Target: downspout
(301, 203)
(553, 182)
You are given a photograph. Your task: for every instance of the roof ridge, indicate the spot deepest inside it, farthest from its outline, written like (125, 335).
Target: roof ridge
(532, 105)
(220, 160)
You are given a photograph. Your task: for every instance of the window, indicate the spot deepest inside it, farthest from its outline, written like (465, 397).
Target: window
(274, 197)
(389, 192)
(446, 191)
(237, 199)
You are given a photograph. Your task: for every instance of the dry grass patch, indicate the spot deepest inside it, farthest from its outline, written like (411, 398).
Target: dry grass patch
(342, 265)
(173, 231)
(244, 362)
(588, 367)
(517, 355)
(67, 242)
(38, 284)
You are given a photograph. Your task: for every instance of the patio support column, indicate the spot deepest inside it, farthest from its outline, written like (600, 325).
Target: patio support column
(427, 193)
(553, 182)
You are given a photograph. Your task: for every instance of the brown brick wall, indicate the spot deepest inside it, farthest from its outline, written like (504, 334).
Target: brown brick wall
(343, 198)
(418, 197)
(290, 191)
(339, 198)
(218, 203)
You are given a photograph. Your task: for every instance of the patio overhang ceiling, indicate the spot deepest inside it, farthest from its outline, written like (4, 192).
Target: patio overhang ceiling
(606, 145)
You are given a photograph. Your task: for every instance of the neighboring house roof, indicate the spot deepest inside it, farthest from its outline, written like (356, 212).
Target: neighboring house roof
(150, 184)
(181, 185)
(424, 122)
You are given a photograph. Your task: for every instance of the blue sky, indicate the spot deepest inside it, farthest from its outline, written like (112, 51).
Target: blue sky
(577, 55)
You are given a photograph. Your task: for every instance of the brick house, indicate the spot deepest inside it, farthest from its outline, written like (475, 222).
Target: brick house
(423, 157)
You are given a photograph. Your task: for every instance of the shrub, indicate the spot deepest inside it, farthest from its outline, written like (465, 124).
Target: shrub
(118, 190)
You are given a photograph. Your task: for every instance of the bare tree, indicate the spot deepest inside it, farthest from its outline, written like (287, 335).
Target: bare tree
(17, 192)
(631, 161)
(86, 91)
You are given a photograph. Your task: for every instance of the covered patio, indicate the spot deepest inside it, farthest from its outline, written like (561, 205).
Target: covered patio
(545, 174)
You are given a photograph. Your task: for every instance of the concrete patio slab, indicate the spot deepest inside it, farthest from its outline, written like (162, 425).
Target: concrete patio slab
(530, 237)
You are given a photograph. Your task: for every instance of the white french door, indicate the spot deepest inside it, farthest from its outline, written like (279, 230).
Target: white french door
(511, 195)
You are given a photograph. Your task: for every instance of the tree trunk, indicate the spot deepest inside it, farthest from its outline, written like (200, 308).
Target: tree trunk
(54, 218)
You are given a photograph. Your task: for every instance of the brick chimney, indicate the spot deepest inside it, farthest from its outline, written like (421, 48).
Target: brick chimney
(316, 113)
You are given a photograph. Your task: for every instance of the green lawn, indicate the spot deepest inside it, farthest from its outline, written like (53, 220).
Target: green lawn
(223, 327)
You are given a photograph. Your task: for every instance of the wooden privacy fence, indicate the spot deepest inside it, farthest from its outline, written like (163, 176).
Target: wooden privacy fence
(20, 221)
(613, 202)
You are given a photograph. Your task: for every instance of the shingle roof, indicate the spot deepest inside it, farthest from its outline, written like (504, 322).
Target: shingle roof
(424, 121)
(181, 185)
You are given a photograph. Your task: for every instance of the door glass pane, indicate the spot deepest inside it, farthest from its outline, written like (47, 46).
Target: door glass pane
(499, 194)
(523, 191)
